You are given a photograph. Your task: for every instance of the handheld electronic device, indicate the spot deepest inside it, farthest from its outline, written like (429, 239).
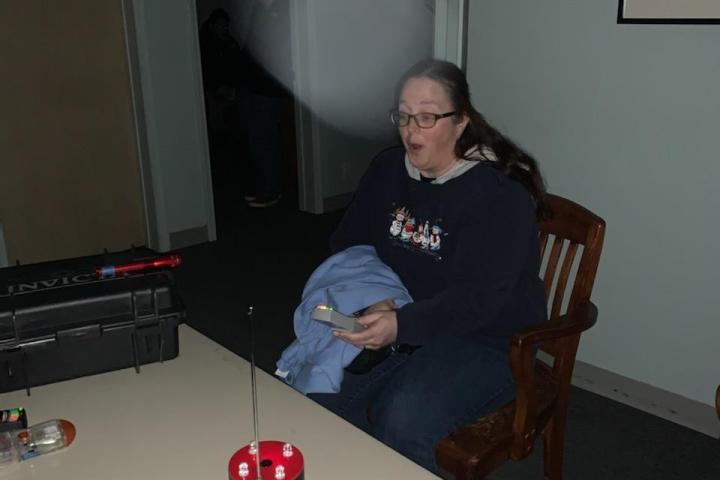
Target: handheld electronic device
(335, 319)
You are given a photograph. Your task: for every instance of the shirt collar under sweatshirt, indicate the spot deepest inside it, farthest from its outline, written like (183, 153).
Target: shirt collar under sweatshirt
(463, 165)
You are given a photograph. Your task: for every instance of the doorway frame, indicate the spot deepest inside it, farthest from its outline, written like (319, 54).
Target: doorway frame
(450, 43)
(450, 39)
(159, 235)
(451, 31)
(138, 108)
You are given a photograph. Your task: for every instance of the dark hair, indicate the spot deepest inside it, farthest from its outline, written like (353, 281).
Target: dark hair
(219, 14)
(206, 33)
(511, 159)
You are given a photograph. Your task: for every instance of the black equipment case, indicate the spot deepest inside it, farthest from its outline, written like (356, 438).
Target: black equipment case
(59, 320)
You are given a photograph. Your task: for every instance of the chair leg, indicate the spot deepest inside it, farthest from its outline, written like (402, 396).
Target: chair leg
(553, 443)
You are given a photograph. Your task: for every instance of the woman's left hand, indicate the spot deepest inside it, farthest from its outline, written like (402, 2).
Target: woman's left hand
(380, 330)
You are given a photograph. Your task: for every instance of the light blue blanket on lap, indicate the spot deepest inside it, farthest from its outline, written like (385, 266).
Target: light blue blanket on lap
(348, 281)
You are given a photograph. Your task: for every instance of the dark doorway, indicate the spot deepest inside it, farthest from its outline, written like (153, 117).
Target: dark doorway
(249, 109)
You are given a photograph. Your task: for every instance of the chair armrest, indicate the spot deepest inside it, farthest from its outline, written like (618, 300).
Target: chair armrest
(577, 321)
(522, 361)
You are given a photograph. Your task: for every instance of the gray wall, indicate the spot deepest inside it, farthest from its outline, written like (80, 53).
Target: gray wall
(348, 55)
(624, 119)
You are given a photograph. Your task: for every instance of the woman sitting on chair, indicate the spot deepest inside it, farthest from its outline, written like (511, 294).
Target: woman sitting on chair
(453, 212)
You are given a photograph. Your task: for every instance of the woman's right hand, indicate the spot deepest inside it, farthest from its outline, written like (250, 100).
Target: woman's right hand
(380, 330)
(382, 305)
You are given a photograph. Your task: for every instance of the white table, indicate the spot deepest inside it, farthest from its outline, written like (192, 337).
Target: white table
(183, 419)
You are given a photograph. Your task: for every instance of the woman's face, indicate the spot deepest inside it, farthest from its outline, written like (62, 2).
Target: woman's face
(430, 150)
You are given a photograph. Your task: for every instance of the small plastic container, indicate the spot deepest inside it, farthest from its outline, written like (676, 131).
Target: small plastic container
(13, 419)
(46, 437)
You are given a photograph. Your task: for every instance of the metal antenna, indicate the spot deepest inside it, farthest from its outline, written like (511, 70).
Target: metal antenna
(254, 390)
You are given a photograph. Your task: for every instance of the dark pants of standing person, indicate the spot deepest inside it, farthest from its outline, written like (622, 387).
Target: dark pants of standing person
(415, 400)
(261, 121)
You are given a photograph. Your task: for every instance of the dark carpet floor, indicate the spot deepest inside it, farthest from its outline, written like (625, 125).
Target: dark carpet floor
(263, 258)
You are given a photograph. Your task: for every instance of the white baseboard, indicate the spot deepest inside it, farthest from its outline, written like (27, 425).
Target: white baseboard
(655, 401)
(3, 249)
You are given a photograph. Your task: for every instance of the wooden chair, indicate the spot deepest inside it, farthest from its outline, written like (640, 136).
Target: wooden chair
(542, 388)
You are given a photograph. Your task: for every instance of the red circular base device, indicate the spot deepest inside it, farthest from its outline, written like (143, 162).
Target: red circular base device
(278, 461)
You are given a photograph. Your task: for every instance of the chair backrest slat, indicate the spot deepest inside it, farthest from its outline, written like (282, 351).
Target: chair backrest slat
(552, 264)
(562, 280)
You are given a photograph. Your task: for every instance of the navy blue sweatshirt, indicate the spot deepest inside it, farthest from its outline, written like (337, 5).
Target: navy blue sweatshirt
(466, 249)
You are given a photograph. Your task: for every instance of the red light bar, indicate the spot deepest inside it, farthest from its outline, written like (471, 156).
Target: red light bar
(108, 271)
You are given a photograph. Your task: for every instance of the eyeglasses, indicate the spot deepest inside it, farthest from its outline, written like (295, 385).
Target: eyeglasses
(422, 119)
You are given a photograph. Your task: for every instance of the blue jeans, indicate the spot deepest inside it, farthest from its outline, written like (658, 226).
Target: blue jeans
(415, 400)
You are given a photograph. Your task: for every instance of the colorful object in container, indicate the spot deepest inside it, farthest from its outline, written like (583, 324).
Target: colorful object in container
(13, 419)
